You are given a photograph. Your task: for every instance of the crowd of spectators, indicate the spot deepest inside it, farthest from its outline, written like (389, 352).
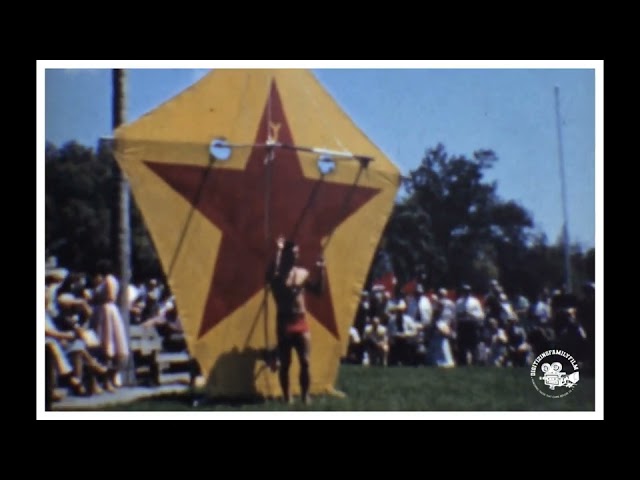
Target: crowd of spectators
(447, 329)
(85, 336)
(87, 344)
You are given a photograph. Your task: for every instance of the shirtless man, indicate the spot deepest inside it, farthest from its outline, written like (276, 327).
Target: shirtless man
(288, 283)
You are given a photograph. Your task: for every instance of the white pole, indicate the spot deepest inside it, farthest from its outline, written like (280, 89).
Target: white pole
(565, 227)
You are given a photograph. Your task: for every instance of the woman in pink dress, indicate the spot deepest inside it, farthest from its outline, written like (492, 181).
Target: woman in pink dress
(108, 323)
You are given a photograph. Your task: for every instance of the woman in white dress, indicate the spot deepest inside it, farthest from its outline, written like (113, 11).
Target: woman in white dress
(108, 323)
(439, 350)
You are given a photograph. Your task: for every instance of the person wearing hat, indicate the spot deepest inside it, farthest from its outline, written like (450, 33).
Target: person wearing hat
(54, 337)
(469, 318)
(66, 345)
(289, 283)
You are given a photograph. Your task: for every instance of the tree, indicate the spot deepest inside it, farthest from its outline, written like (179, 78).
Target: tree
(81, 214)
(453, 226)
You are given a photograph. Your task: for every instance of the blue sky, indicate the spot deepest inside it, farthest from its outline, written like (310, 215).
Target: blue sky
(406, 111)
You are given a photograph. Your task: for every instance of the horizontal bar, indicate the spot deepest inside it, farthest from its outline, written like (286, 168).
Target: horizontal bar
(319, 151)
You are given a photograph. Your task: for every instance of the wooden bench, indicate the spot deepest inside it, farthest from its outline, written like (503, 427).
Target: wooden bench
(145, 345)
(157, 365)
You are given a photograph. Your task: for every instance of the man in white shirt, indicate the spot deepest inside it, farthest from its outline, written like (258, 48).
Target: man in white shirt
(403, 332)
(469, 318)
(419, 308)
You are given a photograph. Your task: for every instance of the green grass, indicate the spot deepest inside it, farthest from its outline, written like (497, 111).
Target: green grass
(407, 389)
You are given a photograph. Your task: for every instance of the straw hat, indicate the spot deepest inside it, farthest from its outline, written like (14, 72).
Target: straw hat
(53, 273)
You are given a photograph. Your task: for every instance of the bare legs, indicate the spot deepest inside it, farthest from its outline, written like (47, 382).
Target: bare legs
(301, 342)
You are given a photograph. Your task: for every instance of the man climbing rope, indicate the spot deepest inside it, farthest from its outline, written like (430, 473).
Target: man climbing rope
(288, 283)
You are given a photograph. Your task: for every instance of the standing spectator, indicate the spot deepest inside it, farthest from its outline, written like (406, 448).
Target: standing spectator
(354, 348)
(379, 300)
(541, 335)
(412, 300)
(541, 311)
(469, 317)
(419, 307)
(402, 335)
(521, 306)
(364, 312)
(518, 349)
(496, 339)
(441, 332)
(108, 323)
(561, 303)
(492, 301)
(573, 338)
(506, 310)
(587, 318)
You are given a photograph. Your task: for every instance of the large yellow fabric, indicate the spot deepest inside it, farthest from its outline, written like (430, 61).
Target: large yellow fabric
(230, 104)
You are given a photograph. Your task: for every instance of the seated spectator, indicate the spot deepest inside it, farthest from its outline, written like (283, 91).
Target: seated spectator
(167, 323)
(376, 342)
(53, 337)
(65, 345)
(165, 315)
(151, 308)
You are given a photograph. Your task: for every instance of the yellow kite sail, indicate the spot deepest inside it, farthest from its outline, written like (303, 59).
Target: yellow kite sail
(221, 170)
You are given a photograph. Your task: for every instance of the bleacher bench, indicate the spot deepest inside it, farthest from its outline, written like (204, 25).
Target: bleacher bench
(155, 364)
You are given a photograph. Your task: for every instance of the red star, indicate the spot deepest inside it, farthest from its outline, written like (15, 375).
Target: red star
(301, 208)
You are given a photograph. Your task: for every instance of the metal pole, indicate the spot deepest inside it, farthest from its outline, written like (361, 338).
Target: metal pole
(565, 227)
(124, 231)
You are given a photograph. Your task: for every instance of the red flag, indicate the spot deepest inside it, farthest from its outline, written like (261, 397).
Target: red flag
(387, 282)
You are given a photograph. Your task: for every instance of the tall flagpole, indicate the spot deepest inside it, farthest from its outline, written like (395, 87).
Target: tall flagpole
(565, 227)
(124, 231)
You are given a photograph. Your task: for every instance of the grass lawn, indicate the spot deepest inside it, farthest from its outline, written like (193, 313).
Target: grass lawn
(407, 389)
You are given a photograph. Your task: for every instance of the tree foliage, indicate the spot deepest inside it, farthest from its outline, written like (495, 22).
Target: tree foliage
(453, 227)
(81, 214)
